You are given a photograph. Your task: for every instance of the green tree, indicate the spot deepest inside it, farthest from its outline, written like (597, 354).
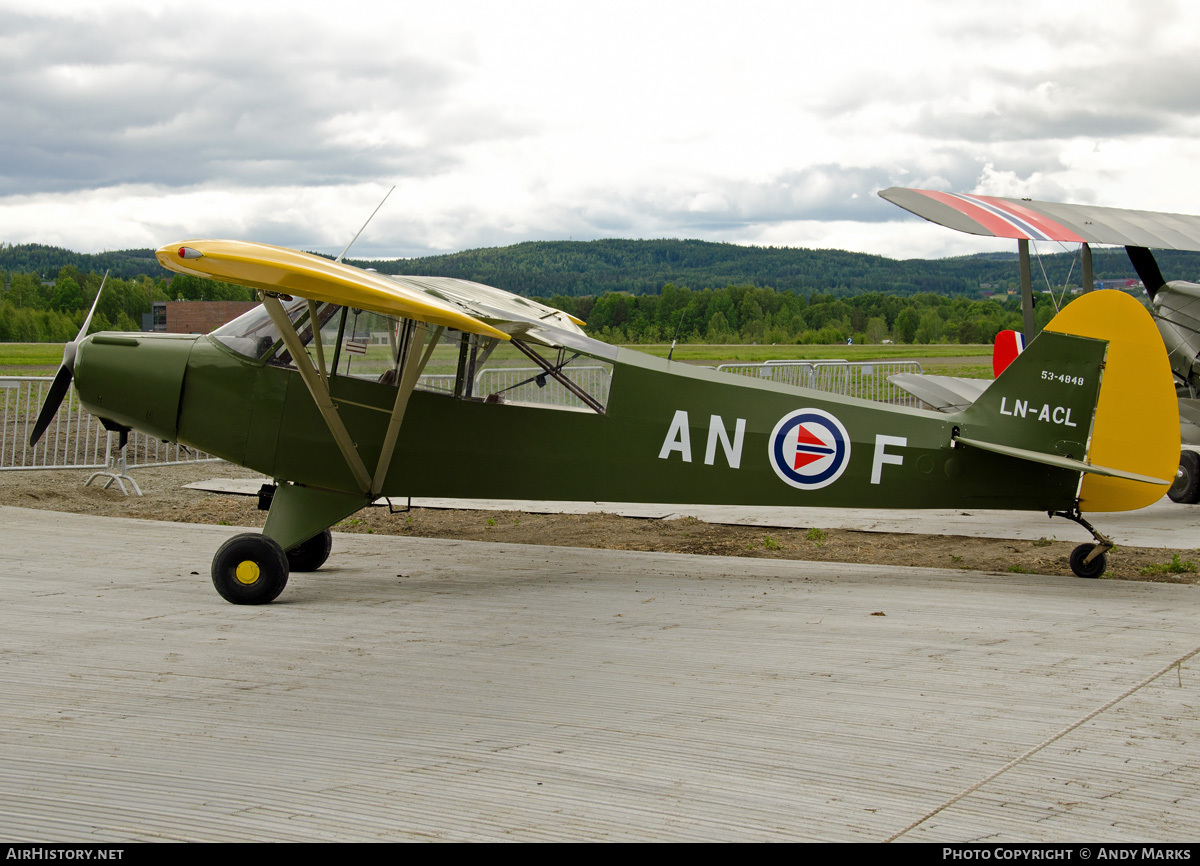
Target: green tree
(68, 296)
(929, 330)
(876, 330)
(906, 325)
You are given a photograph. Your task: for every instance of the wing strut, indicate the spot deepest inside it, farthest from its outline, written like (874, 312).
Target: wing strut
(319, 389)
(1026, 288)
(408, 381)
(317, 382)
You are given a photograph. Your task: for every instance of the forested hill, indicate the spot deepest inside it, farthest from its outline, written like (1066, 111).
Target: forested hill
(575, 268)
(46, 261)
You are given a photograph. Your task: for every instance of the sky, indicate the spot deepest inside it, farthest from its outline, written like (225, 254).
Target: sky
(136, 124)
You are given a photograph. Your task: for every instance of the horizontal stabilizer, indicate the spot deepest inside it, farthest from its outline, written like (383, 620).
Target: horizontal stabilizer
(944, 393)
(1061, 462)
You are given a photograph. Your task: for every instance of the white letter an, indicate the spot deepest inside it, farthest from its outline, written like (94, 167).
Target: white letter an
(733, 453)
(678, 438)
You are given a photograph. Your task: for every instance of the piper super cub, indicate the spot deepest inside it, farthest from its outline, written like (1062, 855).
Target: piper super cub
(326, 387)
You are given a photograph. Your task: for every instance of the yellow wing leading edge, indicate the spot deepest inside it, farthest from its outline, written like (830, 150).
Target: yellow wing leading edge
(277, 269)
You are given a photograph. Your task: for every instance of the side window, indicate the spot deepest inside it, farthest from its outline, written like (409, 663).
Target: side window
(370, 346)
(531, 375)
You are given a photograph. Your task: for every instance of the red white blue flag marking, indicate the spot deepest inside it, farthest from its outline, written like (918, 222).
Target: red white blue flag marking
(809, 449)
(1004, 218)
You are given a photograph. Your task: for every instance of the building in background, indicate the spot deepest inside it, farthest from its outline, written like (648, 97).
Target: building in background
(193, 317)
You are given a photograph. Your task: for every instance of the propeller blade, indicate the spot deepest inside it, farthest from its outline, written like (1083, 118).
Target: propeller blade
(58, 390)
(62, 379)
(88, 320)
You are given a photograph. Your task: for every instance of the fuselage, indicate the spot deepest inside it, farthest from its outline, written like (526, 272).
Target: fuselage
(667, 432)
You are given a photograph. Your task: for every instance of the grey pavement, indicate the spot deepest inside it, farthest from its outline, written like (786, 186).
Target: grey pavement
(416, 689)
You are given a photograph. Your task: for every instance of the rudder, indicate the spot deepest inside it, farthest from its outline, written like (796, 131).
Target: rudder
(1136, 427)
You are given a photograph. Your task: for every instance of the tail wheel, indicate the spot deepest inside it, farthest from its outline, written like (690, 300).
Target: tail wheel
(1186, 487)
(250, 569)
(1092, 569)
(311, 555)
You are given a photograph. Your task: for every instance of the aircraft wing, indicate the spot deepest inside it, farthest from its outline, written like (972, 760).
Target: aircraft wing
(514, 315)
(1024, 219)
(460, 304)
(276, 269)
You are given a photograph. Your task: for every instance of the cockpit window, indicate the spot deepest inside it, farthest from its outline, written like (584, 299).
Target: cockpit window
(371, 346)
(253, 334)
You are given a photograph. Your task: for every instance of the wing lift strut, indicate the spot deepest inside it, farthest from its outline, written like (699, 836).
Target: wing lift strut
(318, 509)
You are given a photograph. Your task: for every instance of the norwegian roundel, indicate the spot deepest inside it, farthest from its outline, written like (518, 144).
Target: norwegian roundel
(809, 449)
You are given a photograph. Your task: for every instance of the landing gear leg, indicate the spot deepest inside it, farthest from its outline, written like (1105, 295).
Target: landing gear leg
(1087, 560)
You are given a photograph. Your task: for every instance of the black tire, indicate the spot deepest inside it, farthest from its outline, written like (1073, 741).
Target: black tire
(1090, 570)
(250, 569)
(1186, 487)
(311, 555)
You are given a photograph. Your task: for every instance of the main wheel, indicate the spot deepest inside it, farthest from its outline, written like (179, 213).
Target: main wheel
(1186, 487)
(311, 555)
(1092, 569)
(250, 569)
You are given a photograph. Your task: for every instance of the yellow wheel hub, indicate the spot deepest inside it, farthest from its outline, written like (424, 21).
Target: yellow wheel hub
(247, 572)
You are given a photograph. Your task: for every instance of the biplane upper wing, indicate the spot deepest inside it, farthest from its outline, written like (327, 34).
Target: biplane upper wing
(1024, 219)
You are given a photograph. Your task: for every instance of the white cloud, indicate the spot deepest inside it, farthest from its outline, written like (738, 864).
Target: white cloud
(136, 123)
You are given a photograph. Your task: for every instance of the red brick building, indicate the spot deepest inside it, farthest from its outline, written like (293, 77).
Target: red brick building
(197, 317)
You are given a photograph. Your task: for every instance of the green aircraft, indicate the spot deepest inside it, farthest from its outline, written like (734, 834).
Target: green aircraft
(331, 388)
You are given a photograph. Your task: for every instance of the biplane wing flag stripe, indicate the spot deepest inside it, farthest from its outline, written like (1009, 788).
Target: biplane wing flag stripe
(985, 215)
(1008, 225)
(1002, 218)
(1052, 230)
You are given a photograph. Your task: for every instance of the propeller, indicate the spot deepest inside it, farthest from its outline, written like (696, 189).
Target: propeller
(62, 379)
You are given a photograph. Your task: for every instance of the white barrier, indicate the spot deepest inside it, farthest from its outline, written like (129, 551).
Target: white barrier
(867, 380)
(520, 385)
(75, 439)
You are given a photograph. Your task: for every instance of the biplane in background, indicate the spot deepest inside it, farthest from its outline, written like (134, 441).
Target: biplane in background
(1076, 424)
(1176, 304)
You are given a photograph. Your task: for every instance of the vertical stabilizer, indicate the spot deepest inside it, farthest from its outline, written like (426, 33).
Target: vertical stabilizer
(1136, 427)
(1092, 393)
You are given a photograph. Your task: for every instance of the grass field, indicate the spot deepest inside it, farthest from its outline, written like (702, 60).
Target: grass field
(30, 359)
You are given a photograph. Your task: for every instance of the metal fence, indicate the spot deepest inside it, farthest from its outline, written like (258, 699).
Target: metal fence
(75, 439)
(865, 379)
(520, 385)
(441, 383)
